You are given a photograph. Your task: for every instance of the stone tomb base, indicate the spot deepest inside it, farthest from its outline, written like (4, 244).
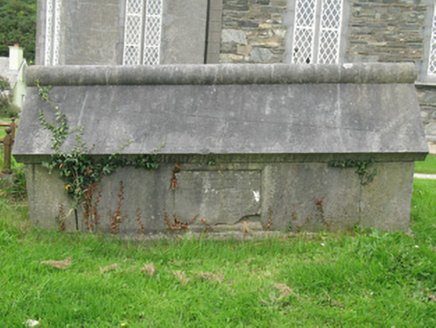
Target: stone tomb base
(246, 147)
(292, 196)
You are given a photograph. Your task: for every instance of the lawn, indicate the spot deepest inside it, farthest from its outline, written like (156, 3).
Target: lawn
(369, 278)
(428, 166)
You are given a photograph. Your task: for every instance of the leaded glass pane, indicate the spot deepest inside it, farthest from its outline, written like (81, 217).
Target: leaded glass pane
(133, 31)
(331, 14)
(305, 13)
(131, 55)
(303, 46)
(329, 36)
(317, 26)
(134, 7)
(304, 30)
(432, 55)
(328, 47)
(153, 31)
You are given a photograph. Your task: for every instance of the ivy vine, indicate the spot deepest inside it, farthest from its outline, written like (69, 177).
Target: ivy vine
(76, 167)
(366, 175)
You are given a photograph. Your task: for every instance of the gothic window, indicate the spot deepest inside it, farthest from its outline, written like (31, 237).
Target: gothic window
(142, 32)
(52, 31)
(317, 31)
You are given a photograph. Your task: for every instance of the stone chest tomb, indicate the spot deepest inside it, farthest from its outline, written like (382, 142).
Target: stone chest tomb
(256, 147)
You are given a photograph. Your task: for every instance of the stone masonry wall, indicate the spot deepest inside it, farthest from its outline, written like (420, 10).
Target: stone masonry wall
(253, 31)
(427, 101)
(377, 30)
(386, 30)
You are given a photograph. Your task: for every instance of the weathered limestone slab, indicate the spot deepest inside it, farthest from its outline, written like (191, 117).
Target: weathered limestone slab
(233, 109)
(253, 144)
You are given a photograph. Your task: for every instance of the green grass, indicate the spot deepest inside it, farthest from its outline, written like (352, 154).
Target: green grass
(370, 279)
(428, 166)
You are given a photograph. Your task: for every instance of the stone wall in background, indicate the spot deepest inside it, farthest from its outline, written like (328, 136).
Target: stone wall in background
(253, 31)
(427, 101)
(377, 30)
(386, 31)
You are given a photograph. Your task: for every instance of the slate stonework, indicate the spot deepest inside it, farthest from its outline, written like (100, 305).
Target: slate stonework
(386, 31)
(261, 21)
(376, 31)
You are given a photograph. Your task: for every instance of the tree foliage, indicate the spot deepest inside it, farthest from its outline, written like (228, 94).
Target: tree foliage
(18, 25)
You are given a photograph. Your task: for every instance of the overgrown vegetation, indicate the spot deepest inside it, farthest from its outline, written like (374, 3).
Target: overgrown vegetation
(368, 278)
(18, 25)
